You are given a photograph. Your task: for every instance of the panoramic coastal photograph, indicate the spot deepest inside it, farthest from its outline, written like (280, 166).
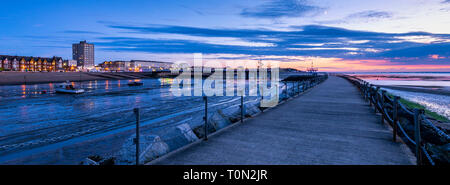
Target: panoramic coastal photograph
(261, 84)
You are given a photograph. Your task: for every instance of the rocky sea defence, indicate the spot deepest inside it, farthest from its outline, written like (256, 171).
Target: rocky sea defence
(193, 129)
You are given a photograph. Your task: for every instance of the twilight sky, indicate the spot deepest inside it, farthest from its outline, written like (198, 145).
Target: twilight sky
(337, 35)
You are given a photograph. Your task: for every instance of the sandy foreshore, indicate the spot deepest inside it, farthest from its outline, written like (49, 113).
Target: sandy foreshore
(19, 78)
(438, 91)
(425, 83)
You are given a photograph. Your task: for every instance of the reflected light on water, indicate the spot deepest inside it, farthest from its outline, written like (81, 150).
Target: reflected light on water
(24, 91)
(106, 84)
(137, 100)
(51, 87)
(166, 81)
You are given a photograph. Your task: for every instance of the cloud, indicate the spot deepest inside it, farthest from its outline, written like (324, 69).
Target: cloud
(371, 14)
(309, 40)
(365, 16)
(446, 1)
(81, 32)
(192, 9)
(441, 49)
(281, 8)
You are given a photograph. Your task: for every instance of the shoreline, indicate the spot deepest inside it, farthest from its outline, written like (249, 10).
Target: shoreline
(30, 78)
(417, 89)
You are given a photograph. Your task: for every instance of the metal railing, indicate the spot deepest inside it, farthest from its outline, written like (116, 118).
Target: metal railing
(392, 111)
(300, 85)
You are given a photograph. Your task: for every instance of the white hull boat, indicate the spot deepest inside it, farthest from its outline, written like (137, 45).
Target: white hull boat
(67, 88)
(66, 91)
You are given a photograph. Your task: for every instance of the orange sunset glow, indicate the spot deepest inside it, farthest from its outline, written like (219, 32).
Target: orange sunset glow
(342, 65)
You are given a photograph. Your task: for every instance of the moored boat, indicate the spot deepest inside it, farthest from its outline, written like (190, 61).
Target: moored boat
(135, 84)
(68, 88)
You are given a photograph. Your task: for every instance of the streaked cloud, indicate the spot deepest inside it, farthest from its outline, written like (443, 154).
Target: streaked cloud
(281, 8)
(363, 16)
(371, 14)
(309, 40)
(425, 39)
(81, 32)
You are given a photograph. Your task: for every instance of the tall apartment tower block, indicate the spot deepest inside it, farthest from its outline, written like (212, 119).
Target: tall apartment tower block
(83, 53)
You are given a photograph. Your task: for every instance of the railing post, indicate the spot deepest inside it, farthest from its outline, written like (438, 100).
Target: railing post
(304, 86)
(370, 94)
(395, 118)
(365, 91)
(293, 89)
(377, 99)
(262, 97)
(368, 91)
(136, 140)
(417, 122)
(242, 108)
(286, 90)
(205, 98)
(383, 106)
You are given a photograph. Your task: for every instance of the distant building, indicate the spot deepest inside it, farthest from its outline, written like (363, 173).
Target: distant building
(83, 53)
(135, 65)
(146, 65)
(70, 65)
(23, 63)
(115, 65)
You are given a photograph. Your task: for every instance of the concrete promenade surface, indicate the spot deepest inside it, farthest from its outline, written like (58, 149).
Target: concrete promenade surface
(328, 125)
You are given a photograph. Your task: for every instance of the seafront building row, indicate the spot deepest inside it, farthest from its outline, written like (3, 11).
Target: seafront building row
(56, 64)
(135, 66)
(82, 54)
(24, 63)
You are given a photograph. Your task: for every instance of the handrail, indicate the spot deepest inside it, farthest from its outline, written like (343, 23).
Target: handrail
(383, 103)
(296, 91)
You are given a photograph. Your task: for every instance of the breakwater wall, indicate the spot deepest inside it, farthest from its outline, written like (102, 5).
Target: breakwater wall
(171, 137)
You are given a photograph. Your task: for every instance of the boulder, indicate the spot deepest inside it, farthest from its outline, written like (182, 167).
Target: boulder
(440, 154)
(200, 130)
(252, 108)
(219, 120)
(151, 147)
(178, 136)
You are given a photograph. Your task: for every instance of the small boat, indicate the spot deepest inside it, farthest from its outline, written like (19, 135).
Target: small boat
(67, 88)
(135, 84)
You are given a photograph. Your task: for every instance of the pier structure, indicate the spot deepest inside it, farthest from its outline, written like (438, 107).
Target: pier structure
(330, 124)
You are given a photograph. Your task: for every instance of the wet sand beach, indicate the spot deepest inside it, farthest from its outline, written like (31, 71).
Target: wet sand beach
(20, 78)
(430, 90)
(435, 83)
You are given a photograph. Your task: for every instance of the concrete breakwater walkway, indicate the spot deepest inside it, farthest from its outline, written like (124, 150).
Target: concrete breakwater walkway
(329, 124)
